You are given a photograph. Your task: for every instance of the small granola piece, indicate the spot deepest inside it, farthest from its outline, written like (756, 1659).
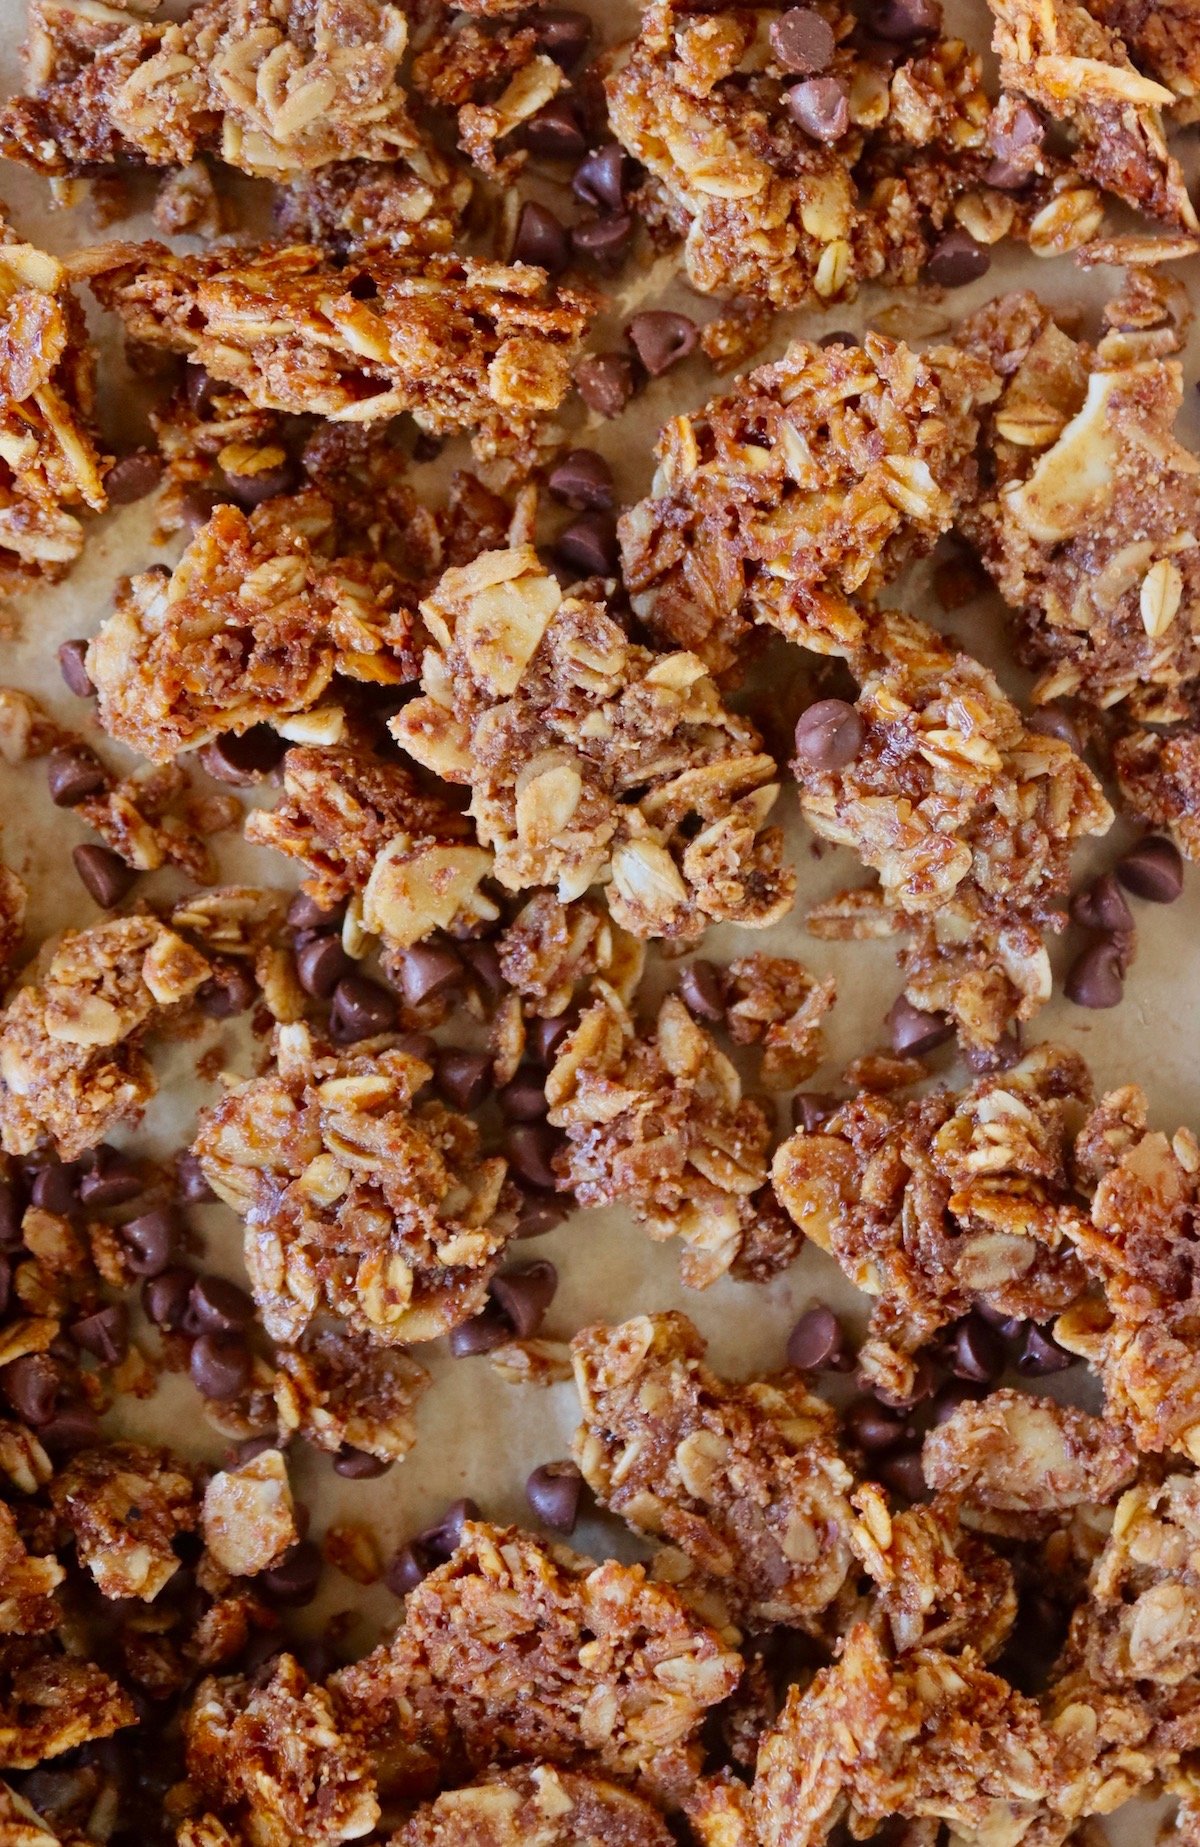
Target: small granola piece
(936, 1585)
(494, 80)
(186, 201)
(51, 1703)
(775, 1002)
(353, 206)
(591, 758)
(551, 951)
(931, 1203)
(661, 1124)
(801, 493)
(247, 1515)
(536, 1805)
(272, 1761)
(336, 1393)
(135, 820)
(518, 1649)
(72, 1064)
(28, 1605)
(1158, 774)
(743, 1480)
(1014, 1454)
(125, 1504)
(355, 1201)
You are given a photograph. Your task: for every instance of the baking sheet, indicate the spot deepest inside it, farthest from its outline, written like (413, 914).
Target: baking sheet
(476, 1435)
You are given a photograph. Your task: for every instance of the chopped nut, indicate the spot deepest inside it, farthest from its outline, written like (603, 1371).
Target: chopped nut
(247, 1515)
(1015, 1455)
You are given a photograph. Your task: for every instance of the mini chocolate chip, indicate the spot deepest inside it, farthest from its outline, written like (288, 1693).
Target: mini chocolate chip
(198, 505)
(190, 1180)
(904, 1475)
(304, 913)
(599, 179)
(243, 758)
(481, 1334)
(539, 1216)
(73, 773)
(957, 259)
(606, 383)
(1050, 721)
(218, 1306)
(1153, 869)
(913, 1032)
(462, 1079)
(1041, 1354)
(55, 1188)
(408, 1569)
(545, 1037)
(977, 1352)
(361, 1010)
(953, 1394)
(817, 1343)
(702, 991)
(524, 1098)
(104, 1334)
(873, 1429)
(562, 34)
(295, 1578)
(359, 1464)
(1102, 906)
(151, 1241)
(72, 664)
(529, 1147)
(107, 1178)
(589, 545)
(227, 993)
(73, 1428)
(11, 1211)
(553, 1492)
(821, 107)
(661, 339)
(583, 480)
(1095, 978)
(220, 1365)
(811, 1110)
(555, 133)
(802, 41)
(446, 1536)
(32, 1385)
(523, 1295)
(428, 969)
(541, 240)
(901, 20)
(829, 735)
(839, 337)
(321, 964)
(165, 1297)
(103, 874)
(483, 963)
(251, 490)
(200, 388)
(133, 476)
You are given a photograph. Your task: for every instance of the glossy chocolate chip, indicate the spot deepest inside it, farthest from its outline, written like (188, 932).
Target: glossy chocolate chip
(72, 664)
(562, 34)
(73, 773)
(603, 241)
(483, 1333)
(361, 1010)
(251, 490)
(599, 179)
(72, 1428)
(227, 993)
(702, 991)
(802, 41)
(200, 389)
(1153, 870)
(1051, 721)
(957, 259)
(6, 1276)
(817, 1343)
(904, 1475)
(108, 1178)
(31, 1385)
(165, 1298)
(922, 1386)
(544, 1038)
(606, 382)
(1040, 1354)
(243, 758)
(428, 969)
(913, 1032)
(304, 913)
(949, 1398)
(294, 1580)
(105, 1334)
(198, 505)
(874, 1429)
(321, 964)
(12, 1207)
(555, 133)
(811, 1110)
(103, 874)
(821, 107)
(829, 735)
(539, 1216)
(530, 1147)
(462, 1079)
(218, 1306)
(976, 1352)
(190, 1180)
(220, 1365)
(1102, 905)
(541, 239)
(150, 1241)
(409, 1567)
(589, 546)
(483, 964)
(55, 1188)
(1095, 979)
(359, 1464)
(133, 476)
(661, 339)
(523, 1294)
(445, 1537)
(554, 1491)
(901, 20)
(583, 480)
(524, 1099)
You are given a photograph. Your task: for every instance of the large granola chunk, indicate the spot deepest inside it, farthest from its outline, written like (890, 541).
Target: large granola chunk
(356, 1199)
(1012, 1454)
(539, 1805)
(72, 1063)
(743, 1480)
(1141, 1618)
(797, 496)
(125, 1504)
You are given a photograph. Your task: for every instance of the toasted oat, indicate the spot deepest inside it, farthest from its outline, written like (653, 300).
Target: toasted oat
(553, 951)
(125, 1504)
(933, 1583)
(542, 705)
(144, 820)
(339, 1392)
(536, 1805)
(775, 1002)
(247, 1515)
(353, 206)
(1012, 1454)
(1141, 1619)
(1163, 40)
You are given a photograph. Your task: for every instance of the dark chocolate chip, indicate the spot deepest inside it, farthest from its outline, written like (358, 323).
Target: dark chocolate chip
(1002, 1056)
(481, 1334)
(6, 1275)
(190, 1180)
(821, 107)
(220, 1365)
(829, 735)
(294, 1580)
(524, 1293)
(702, 991)
(874, 1429)
(446, 1536)
(913, 1032)
(1007, 1325)
(802, 41)
(72, 664)
(606, 383)
(904, 1475)
(361, 1010)
(73, 773)
(251, 1447)
(107, 1178)
(603, 241)
(948, 1399)
(923, 1383)
(811, 1110)
(32, 1385)
(245, 758)
(418, 1045)
(555, 133)
(483, 963)
(1015, 131)
(1102, 906)
(12, 1206)
(817, 1343)
(1050, 721)
(539, 1216)
(1095, 978)
(1041, 1354)
(151, 1241)
(553, 1492)
(198, 505)
(218, 1306)
(977, 1352)
(462, 1079)
(428, 969)
(200, 388)
(321, 964)
(541, 240)
(304, 913)
(1153, 869)
(583, 480)
(104, 1334)
(529, 1147)
(165, 1298)
(661, 339)
(133, 476)
(562, 34)
(599, 179)
(409, 1567)
(589, 545)
(544, 1037)
(227, 993)
(359, 1464)
(70, 1429)
(901, 20)
(957, 259)
(839, 337)
(55, 1189)
(251, 490)
(524, 1099)
(103, 874)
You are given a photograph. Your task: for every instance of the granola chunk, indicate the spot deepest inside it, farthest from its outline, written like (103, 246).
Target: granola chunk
(933, 1583)
(51, 1704)
(801, 493)
(272, 1762)
(775, 1002)
(1141, 1619)
(72, 1063)
(1158, 774)
(1162, 38)
(551, 951)
(932, 1203)
(247, 1515)
(661, 1123)
(356, 1199)
(538, 1803)
(337, 1392)
(353, 206)
(28, 1605)
(1015, 1454)
(125, 1505)
(518, 1649)
(592, 758)
(742, 1480)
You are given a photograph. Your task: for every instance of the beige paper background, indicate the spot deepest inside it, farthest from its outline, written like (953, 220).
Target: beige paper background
(477, 1435)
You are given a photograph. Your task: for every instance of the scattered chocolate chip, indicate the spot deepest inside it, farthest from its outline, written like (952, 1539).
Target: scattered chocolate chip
(428, 969)
(1095, 978)
(603, 241)
(11, 1210)
(562, 34)
(802, 41)
(589, 545)
(200, 388)
(606, 383)
(1050, 721)
(462, 1079)
(1041, 1354)
(545, 1037)
(31, 1385)
(541, 240)
(555, 133)
(445, 1537)
(103, 874)
(524, 1098)
(198, 505)
(304, 913)
(481, 1334)
(55, 1189)
(923, 1383)
(829, 735)
(361, 1009)
(218, 1306)
(957, 259)
(1102, 906)
(321, 964)
(901, 20)
(811, 1110)
(251, 1447)
(913, 1032)
(107, 1178)
(409, 1567)
(70, 1429)
(817, 1343)
(165, 1298)
(104, 1334)
(539, 1216)
(529, 1147)
(190, 1180)
(483, 963)
(251, 490)
(702, 991)
(523, 1294)
(133, 476)
(839, 337)
(904, 1475)
(359, 1464)
(953, 1394)
(72, 658)
(227, 993)
(583, 480)
(977, 1352)
(821, 107)
(295, 1578)
(873, 1429)
(661, 339)
(1153, 869)
(553, 1492)
(1002, 1056)
(220, 1365)
(599, 179)
(245, 758)
(151, 1241)
(73, 773)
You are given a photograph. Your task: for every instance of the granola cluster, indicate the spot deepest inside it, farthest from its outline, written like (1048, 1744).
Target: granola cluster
(536, 1803)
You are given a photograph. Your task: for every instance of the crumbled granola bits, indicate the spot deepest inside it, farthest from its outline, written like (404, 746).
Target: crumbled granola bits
(932, 1203)
(72, 1064)
(354, 206)
(518, 1649)
(742, 1481)
(1010, 1454)
(125, 1504)
(1158, 774)
(272, 1761)
(536, 1805)
(968, 817)
(661, 1124)
(934, 1583)
(462, 345)
(339, 1393)
(247, 1515)
(355, 1199)
(1141, 1620)
(1163, 41)
(592, 758)
(28, 1605)
(551, 951)
(51, 1704)
(808, 486)
(775, 1002)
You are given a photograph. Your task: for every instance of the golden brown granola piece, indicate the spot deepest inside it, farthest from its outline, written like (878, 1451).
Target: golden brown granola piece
(72, 1064)
(336, 1392)
(1141, 1618)
(461, 345)
(591, 758)
(932, 1203)
(775, 1002)
(802, 492)
(28, 1605)
(552, 950)
(516, 1649)
(494, 80)
(125, 1504)
(415, 205)
(1158, 774)
(661, 1124)
(51, 1703)
(967, 816)
(247, 1515)
(355, 1199)
(139, 818)
(1011, 1454)
(933, 1584)
(536, 1805)
(1162, 37)
(273, 1762)
(743, 1480)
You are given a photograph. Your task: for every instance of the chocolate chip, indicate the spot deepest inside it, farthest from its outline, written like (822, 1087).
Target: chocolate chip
(103, 874)
(838, 338)
(428, 969)
(913, 1032)
(408, 1569)
(802, 41)
(1041, 1354)
(320, 965)
(955, 1393)
(583, 480)
(589, 545)
(190, 1180)
(73, 773)
(545, 1037)
(541, 240)
(151, 1241)
(227, 993)
(200, 388)
(1017, 130)
(555, 133)
(976, 1352)
(70, 1429)
(55, 1189)
(1050, 721)
(6, 1275)
(901, 20)
(524, 1293)
(829, 735)
(133, 476)
(72, 658)
(702, 991)
(251, 490)
(218, 1306)
(1002, 1056)
(1153, 869)
(418, 1045)
(295, 1578)
(524, 1099)
(821, 107)
(107, 1178)
(359, 1464)
(197, 507)
(599, 179)
(873, 1429)
(1095, 978)
(361, 1010)
(817, 1343)
(445, 1538)
(539, 1216)
(661, 339)
(12, 1208)
(1006, 176)
(529, 1147)
(957, 259)
(1101, 906)
(104, 1334)
(304, 913)
(811, 1110)
(165, 1298)
(243, 758)
(483, 963)
(606, 383)
(562, 34)
(553, 1492)
(481, 1334)
(904, 1475)
(462, 1079)
(922, 1386)
(220, 1365)
(31, 1385)
(1006, 1325)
